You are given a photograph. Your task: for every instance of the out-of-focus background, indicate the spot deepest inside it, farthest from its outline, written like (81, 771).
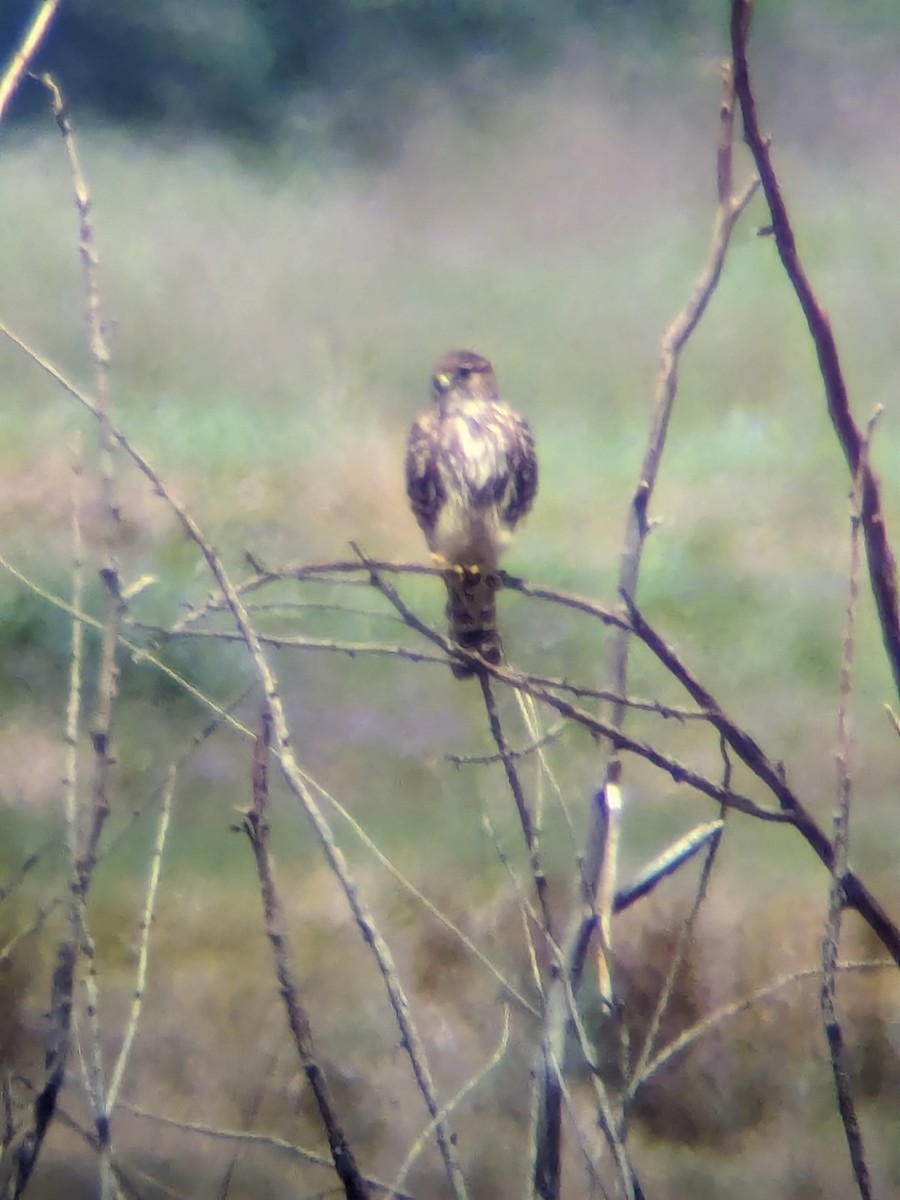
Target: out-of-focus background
(298, 207)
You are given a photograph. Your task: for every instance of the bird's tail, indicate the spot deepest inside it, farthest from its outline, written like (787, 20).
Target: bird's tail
(472, 609)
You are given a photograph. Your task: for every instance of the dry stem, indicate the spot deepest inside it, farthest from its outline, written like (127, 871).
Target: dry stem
(841, 843)
(256, 826)
(26, 51)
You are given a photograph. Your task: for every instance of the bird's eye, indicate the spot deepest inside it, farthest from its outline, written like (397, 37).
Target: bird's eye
(464, 372)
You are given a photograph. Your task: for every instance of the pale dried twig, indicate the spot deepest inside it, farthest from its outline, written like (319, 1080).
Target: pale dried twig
(140, 982)
(250, 1138)
(729, 1011)
(841, 844)
(522, 808)
(25, 52)
(453, 1103)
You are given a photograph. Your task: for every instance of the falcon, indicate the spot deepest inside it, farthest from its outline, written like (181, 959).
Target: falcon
(471, 476)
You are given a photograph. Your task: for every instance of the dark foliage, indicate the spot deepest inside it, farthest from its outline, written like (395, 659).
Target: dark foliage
(244, 67)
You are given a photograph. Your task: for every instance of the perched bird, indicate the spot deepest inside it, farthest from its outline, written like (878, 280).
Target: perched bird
(471, 475)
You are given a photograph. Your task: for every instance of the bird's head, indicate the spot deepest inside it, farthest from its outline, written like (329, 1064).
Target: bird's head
(463, 375)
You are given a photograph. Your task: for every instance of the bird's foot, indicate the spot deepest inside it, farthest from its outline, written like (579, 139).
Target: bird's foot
(470, 574)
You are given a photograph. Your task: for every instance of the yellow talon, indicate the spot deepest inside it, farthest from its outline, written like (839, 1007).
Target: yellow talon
(462, 569)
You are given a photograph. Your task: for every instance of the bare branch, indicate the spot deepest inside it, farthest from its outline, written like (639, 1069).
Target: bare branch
(882, 566)
(256, 827)
(107, 680)
(18, 64)
(687, 1039)
(515, 786)
(140, 983)
(684, 936)
(252, 1139)
(469, 1086)
(667, 863)
(841, 844)
(856, 894)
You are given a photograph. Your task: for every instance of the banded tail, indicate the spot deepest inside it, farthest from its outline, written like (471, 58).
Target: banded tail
(472, 610)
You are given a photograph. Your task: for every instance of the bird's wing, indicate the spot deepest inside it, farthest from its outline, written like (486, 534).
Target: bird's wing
(522, 480)
(424, 484)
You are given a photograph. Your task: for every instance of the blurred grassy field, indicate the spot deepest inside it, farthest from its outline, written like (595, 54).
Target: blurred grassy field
(272, 329)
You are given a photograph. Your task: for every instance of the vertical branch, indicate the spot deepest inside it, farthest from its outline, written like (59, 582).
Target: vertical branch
(107, 681)
(601, 846)
(29, 46)
(515, 786)
(546, 1162)
(107, 685)
(73, 706)
(140, 983)
(256, 827)
(882, 566)
(638, 524)
(841, 842)
(674, 339)
(608, 824)
(79, 933)
(22, 1150)
(600, 865)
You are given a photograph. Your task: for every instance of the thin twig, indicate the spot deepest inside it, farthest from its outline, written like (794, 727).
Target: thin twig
(522, 808)
(483, 760)
(139, 653)
(684, 936)
(140, 982)
(527, 914)
(841, 843)
(529, 712)
(607, 1117)
(107, 679)
(250, 1138)
(856, 894)
(29, 46)
(687, 1039)
(509, 990)
(452, 1104)
(256, 827)
(602, 841)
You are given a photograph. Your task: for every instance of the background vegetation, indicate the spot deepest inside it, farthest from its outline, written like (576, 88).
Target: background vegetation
(299, 206)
